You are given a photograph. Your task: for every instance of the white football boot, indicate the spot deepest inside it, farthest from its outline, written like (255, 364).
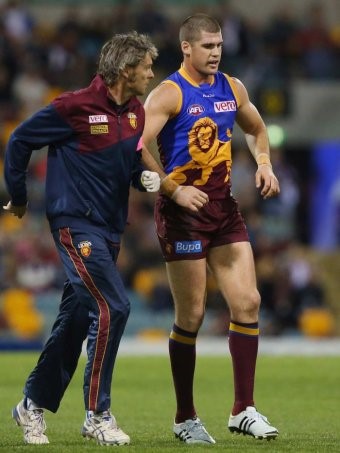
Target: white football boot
(252, 423)
(32, 422)
(103, 428)
(192, 431)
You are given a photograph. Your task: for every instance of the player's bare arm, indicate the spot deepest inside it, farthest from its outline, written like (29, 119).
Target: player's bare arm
(250, 121)
(161, 104)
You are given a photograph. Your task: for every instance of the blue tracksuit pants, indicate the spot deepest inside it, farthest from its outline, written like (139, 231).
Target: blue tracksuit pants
(94, 305)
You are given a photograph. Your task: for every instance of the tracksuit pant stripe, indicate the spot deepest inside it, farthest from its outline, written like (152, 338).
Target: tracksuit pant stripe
(104, 315)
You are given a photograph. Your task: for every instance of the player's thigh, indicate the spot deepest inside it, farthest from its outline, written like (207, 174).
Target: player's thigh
(187, 279)
(233, 268)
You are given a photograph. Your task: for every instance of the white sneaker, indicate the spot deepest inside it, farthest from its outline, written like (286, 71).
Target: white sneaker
(192, 431)
(32, 422)
(103, 427)
(252, 423)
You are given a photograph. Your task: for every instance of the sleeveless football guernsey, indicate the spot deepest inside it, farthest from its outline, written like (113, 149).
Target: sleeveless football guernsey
(195, 145)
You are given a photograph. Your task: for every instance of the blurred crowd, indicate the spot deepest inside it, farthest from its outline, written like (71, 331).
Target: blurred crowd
(38, 61)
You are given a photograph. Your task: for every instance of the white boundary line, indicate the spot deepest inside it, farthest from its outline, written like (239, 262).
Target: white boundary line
(134, 346)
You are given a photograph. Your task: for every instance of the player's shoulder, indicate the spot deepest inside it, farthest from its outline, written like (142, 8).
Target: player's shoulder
(71, 98)
(166, 95)
(238, 88)
(71, 103)
(235, 82)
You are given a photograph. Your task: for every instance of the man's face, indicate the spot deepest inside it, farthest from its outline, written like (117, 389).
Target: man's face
(205, 54)
(140, 76)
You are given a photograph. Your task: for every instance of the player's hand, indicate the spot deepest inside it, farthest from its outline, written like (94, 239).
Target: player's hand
(17, 211)
(190, 197)
(151, 181)
(267, 181)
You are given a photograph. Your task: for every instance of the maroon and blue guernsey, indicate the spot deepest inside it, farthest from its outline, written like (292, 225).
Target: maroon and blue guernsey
(93, 155)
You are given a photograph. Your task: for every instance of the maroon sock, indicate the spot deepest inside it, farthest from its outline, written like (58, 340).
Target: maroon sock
(243, 345)
(182, 350)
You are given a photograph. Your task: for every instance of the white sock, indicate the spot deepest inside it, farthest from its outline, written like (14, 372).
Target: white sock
(31, 406)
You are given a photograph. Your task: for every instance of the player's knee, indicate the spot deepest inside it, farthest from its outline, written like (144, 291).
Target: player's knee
(126, 310)
(121, 311)
(253, 302)
(191, 321)
(246, 306)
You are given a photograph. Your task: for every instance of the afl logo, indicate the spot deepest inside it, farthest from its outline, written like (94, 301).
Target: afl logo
(195, 109)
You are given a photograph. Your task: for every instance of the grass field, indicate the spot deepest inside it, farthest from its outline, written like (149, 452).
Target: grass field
(300, 395)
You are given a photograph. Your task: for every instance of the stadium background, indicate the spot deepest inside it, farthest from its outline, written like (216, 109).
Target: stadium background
(287, 53)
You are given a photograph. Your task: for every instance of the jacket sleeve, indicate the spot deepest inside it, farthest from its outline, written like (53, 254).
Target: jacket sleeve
(137, 172)
(44, 128)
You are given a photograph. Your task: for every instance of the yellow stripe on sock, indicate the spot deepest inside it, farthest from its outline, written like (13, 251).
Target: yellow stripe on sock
(245, 330)
(181, 338)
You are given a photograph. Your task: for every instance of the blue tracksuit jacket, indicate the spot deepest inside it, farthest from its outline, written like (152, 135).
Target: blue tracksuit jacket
(92, 157)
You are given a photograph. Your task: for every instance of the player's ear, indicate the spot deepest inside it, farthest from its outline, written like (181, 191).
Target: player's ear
(185, 46)
(125, 73)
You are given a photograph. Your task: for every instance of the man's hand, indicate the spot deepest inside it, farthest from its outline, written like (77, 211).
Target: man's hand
(267, 181)
(151, 180)
(190, 197)
(17, 211)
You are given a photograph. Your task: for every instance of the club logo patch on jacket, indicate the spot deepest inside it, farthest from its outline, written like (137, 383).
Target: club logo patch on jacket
(85, 248)
(133, 120)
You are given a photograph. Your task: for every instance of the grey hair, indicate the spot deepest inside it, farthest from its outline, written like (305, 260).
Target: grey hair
(123, 50)
(193, 26)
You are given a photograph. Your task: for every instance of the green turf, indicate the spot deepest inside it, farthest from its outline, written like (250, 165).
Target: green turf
(300, 395)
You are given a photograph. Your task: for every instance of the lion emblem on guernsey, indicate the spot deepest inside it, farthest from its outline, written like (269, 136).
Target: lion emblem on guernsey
(206, 151)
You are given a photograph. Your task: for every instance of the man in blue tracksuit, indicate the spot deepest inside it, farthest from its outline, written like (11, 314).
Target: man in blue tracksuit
(94, 155)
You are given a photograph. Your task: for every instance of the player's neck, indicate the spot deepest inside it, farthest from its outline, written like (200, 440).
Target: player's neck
(196, 76)
(119, 93)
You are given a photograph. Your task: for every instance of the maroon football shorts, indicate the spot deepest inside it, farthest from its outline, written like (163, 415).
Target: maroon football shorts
(184, 235)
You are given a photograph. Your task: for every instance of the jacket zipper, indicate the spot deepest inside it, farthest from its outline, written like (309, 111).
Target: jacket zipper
(119, 128)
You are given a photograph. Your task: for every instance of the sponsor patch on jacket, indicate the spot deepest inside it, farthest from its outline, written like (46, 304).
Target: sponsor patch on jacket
(224, 106)
(85, 248)
(98, 119)
(99, 129)
(132, 119)
(188, 247)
